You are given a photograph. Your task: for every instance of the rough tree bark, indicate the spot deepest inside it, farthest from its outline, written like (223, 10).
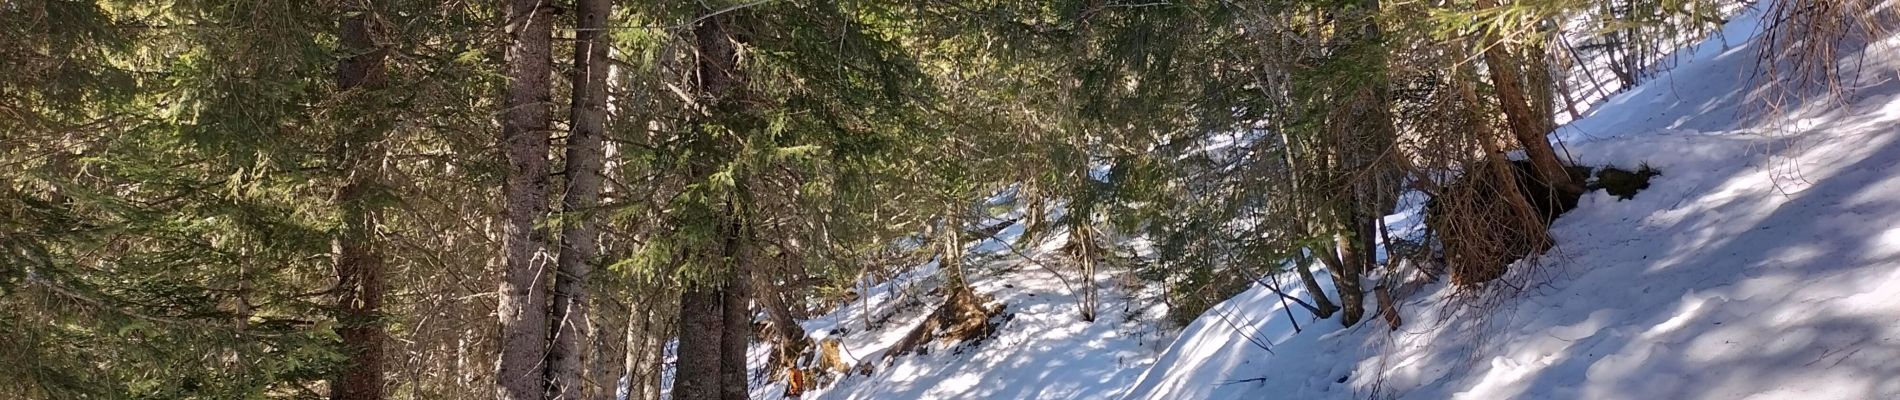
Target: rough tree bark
(359, 267)
(587, 116)
(1367, 123)
(701, 373)
(1520, 111)
(702, 331)
(524, 141)
(1347, 268)
(1324, 307)
(737, 316)
(951, 262)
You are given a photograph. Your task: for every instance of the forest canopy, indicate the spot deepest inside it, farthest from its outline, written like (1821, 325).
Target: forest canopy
(529, 199)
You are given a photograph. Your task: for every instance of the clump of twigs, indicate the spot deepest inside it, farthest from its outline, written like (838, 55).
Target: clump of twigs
(1486, 211)
(1803, 42)
(1494, 214)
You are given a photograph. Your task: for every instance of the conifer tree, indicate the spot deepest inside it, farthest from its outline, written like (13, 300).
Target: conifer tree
(359, 265)
(579, 245)
(524, 143)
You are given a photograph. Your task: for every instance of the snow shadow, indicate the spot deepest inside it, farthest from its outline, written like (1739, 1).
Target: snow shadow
(1735, 301)
(1041, 351)
(1763, 263)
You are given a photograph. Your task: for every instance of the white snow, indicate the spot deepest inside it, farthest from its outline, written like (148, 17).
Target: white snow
(1042, 351)
(1763, 264)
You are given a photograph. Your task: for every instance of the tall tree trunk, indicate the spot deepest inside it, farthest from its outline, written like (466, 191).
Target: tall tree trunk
(523, 308)
(646, 341)
(1365, 158)
(638, 322)
(1530, 128)
(359, 301)
(1347, 271)
(736, 310)
(583, 171)
(1520, 215)
(701, 370)
(733, 371)
(1323, 306)
(359, 267)
(607, 336)
(701, 336)
(952, 241)
(664, 325)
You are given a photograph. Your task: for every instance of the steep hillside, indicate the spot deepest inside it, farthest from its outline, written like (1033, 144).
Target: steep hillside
(1762, 264)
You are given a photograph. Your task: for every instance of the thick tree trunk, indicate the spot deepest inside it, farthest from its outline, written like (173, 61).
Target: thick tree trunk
(737, 316)
(1366, 161)
(1530, 128)
(583, 172)
(701, 371)
(359, 300)
(1347, 271)
(523, 308)
(701, 337)
(735, 310)
(359, 267)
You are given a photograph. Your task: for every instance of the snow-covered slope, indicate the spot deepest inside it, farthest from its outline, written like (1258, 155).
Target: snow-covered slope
(1043, 350)
(1763, 264)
